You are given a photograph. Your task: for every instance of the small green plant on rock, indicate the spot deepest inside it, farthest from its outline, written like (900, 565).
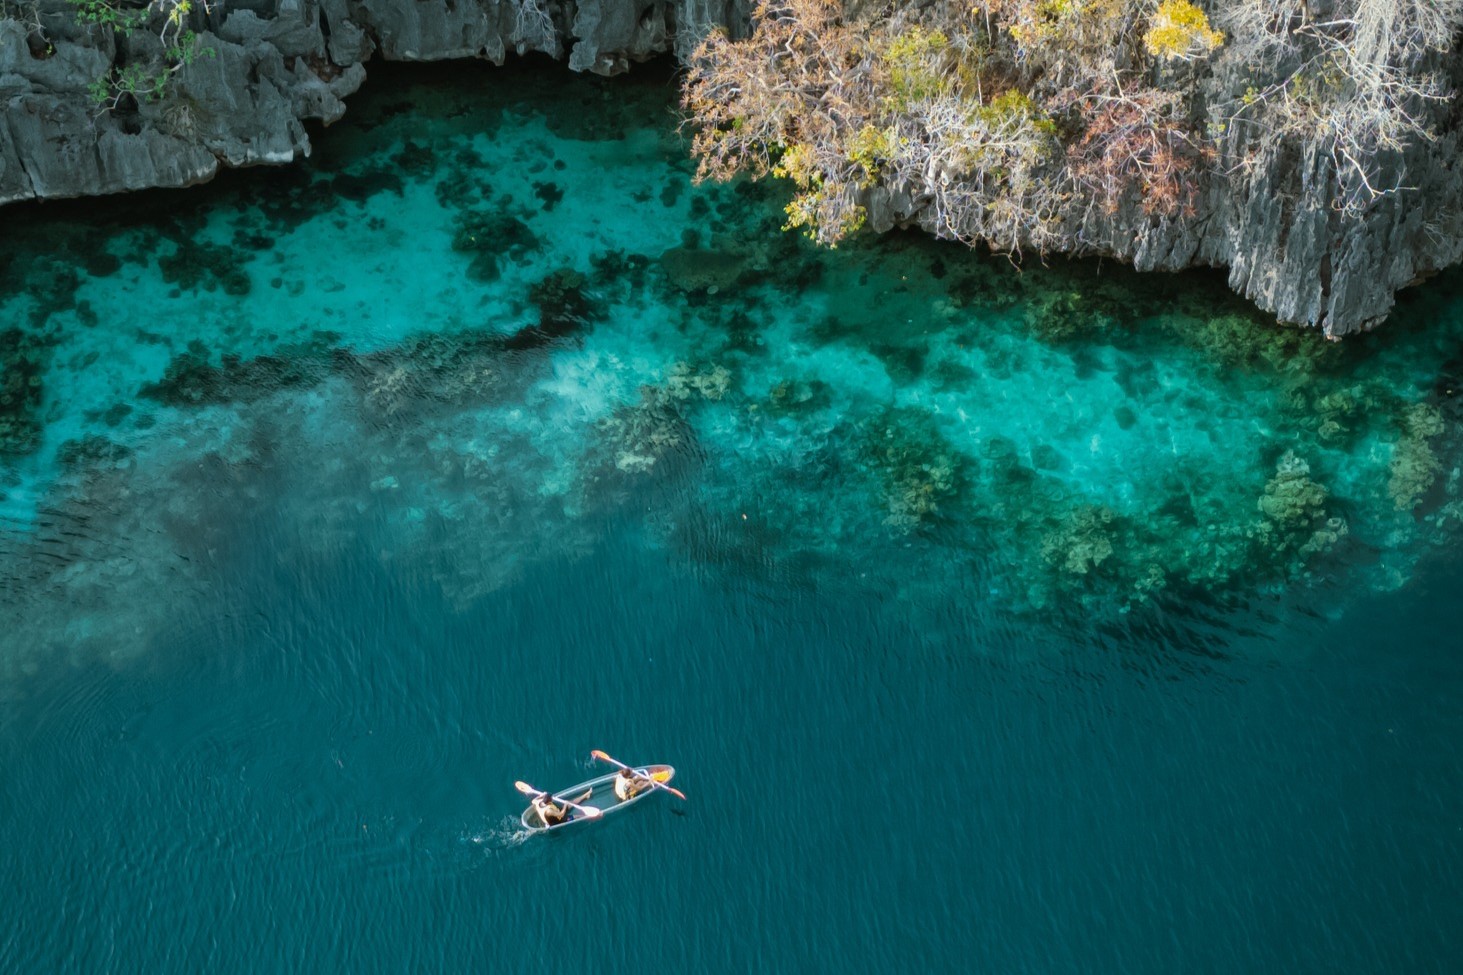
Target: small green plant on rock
(143, 81)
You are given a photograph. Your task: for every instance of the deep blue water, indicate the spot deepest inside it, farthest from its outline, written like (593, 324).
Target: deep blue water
(1068, 621)
(320, 779)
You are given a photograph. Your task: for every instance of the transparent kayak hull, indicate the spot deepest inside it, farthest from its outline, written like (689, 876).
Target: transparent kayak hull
(602, 797)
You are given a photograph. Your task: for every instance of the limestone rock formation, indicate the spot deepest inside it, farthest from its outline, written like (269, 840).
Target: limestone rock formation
(272, 64)
(275, 63)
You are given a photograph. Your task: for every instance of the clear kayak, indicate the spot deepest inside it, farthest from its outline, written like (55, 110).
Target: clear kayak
(601, 796)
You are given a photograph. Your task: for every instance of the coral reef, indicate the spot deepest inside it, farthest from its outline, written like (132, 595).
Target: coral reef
(1083, 541)
(696, 269)
(20, 394)
(682, 381)
(490, 236)
(565, 308)
(1414, 466)
(1077, 441)
(917, 471)
(209, 266)
(1296, 522)
(639, 438)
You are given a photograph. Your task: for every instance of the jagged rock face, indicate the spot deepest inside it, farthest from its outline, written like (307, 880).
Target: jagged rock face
(1288, 247)
(278, 62)
(275, 63)
(1269, 216)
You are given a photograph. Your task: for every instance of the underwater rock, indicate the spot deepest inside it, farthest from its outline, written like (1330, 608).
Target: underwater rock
(564, 309)
(208, 266)
(792, 397)
(916, 469)
(1296, 522)
(1250, 341)
(20, 395)
(1082, 543)
(682, 382)
(390, 389)
(490, 236)
(694, 269)
(1291, 498)
(92, 452)
(639, 438)
(191, 380)
(1414, 466)
(1057, 316)
(415, 160)
(447, 370)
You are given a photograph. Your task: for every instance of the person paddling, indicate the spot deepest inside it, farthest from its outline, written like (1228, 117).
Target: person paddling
(627, 783)
(552, 813)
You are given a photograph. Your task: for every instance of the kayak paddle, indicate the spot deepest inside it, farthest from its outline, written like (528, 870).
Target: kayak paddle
(589, 811)
(650, 778)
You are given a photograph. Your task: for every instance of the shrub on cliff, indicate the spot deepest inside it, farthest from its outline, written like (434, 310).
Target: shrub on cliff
(1356, 78)
(143, 75)
(1009, 121)
(999, 112)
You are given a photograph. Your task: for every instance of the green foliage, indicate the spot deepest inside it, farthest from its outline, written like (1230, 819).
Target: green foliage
(917, 72)
(111, 14)
(1017, 105)
(186, 49)
(1321, 83)
(870, 149)
(141, 81)
(1180, 30)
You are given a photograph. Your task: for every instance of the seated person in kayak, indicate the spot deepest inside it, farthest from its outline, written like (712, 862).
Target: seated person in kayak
(552, 813)
(628, 783)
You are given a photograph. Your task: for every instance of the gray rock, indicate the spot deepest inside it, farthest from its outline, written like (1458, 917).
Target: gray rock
(611, 34)
(275, 63)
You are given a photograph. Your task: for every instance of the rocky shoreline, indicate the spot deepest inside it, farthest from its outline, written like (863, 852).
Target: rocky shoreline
(274, 64)
(271, 66)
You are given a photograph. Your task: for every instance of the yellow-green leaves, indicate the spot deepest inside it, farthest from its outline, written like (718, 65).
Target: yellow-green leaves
(1013, 105)
(870, 148)
(1179, 30)
(917, 69)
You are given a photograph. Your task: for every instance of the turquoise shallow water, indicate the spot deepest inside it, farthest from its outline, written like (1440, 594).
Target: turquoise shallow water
(1066, 620)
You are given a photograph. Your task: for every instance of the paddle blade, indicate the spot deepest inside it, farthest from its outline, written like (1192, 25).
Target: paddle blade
(603, 757)
(660, 778)
(592, 812)
(526, 789)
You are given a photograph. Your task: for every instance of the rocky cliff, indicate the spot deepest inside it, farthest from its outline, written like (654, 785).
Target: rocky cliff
(274, 63)
(270, 65)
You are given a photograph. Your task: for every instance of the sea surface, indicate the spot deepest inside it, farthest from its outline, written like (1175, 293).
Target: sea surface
(1048, 618)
